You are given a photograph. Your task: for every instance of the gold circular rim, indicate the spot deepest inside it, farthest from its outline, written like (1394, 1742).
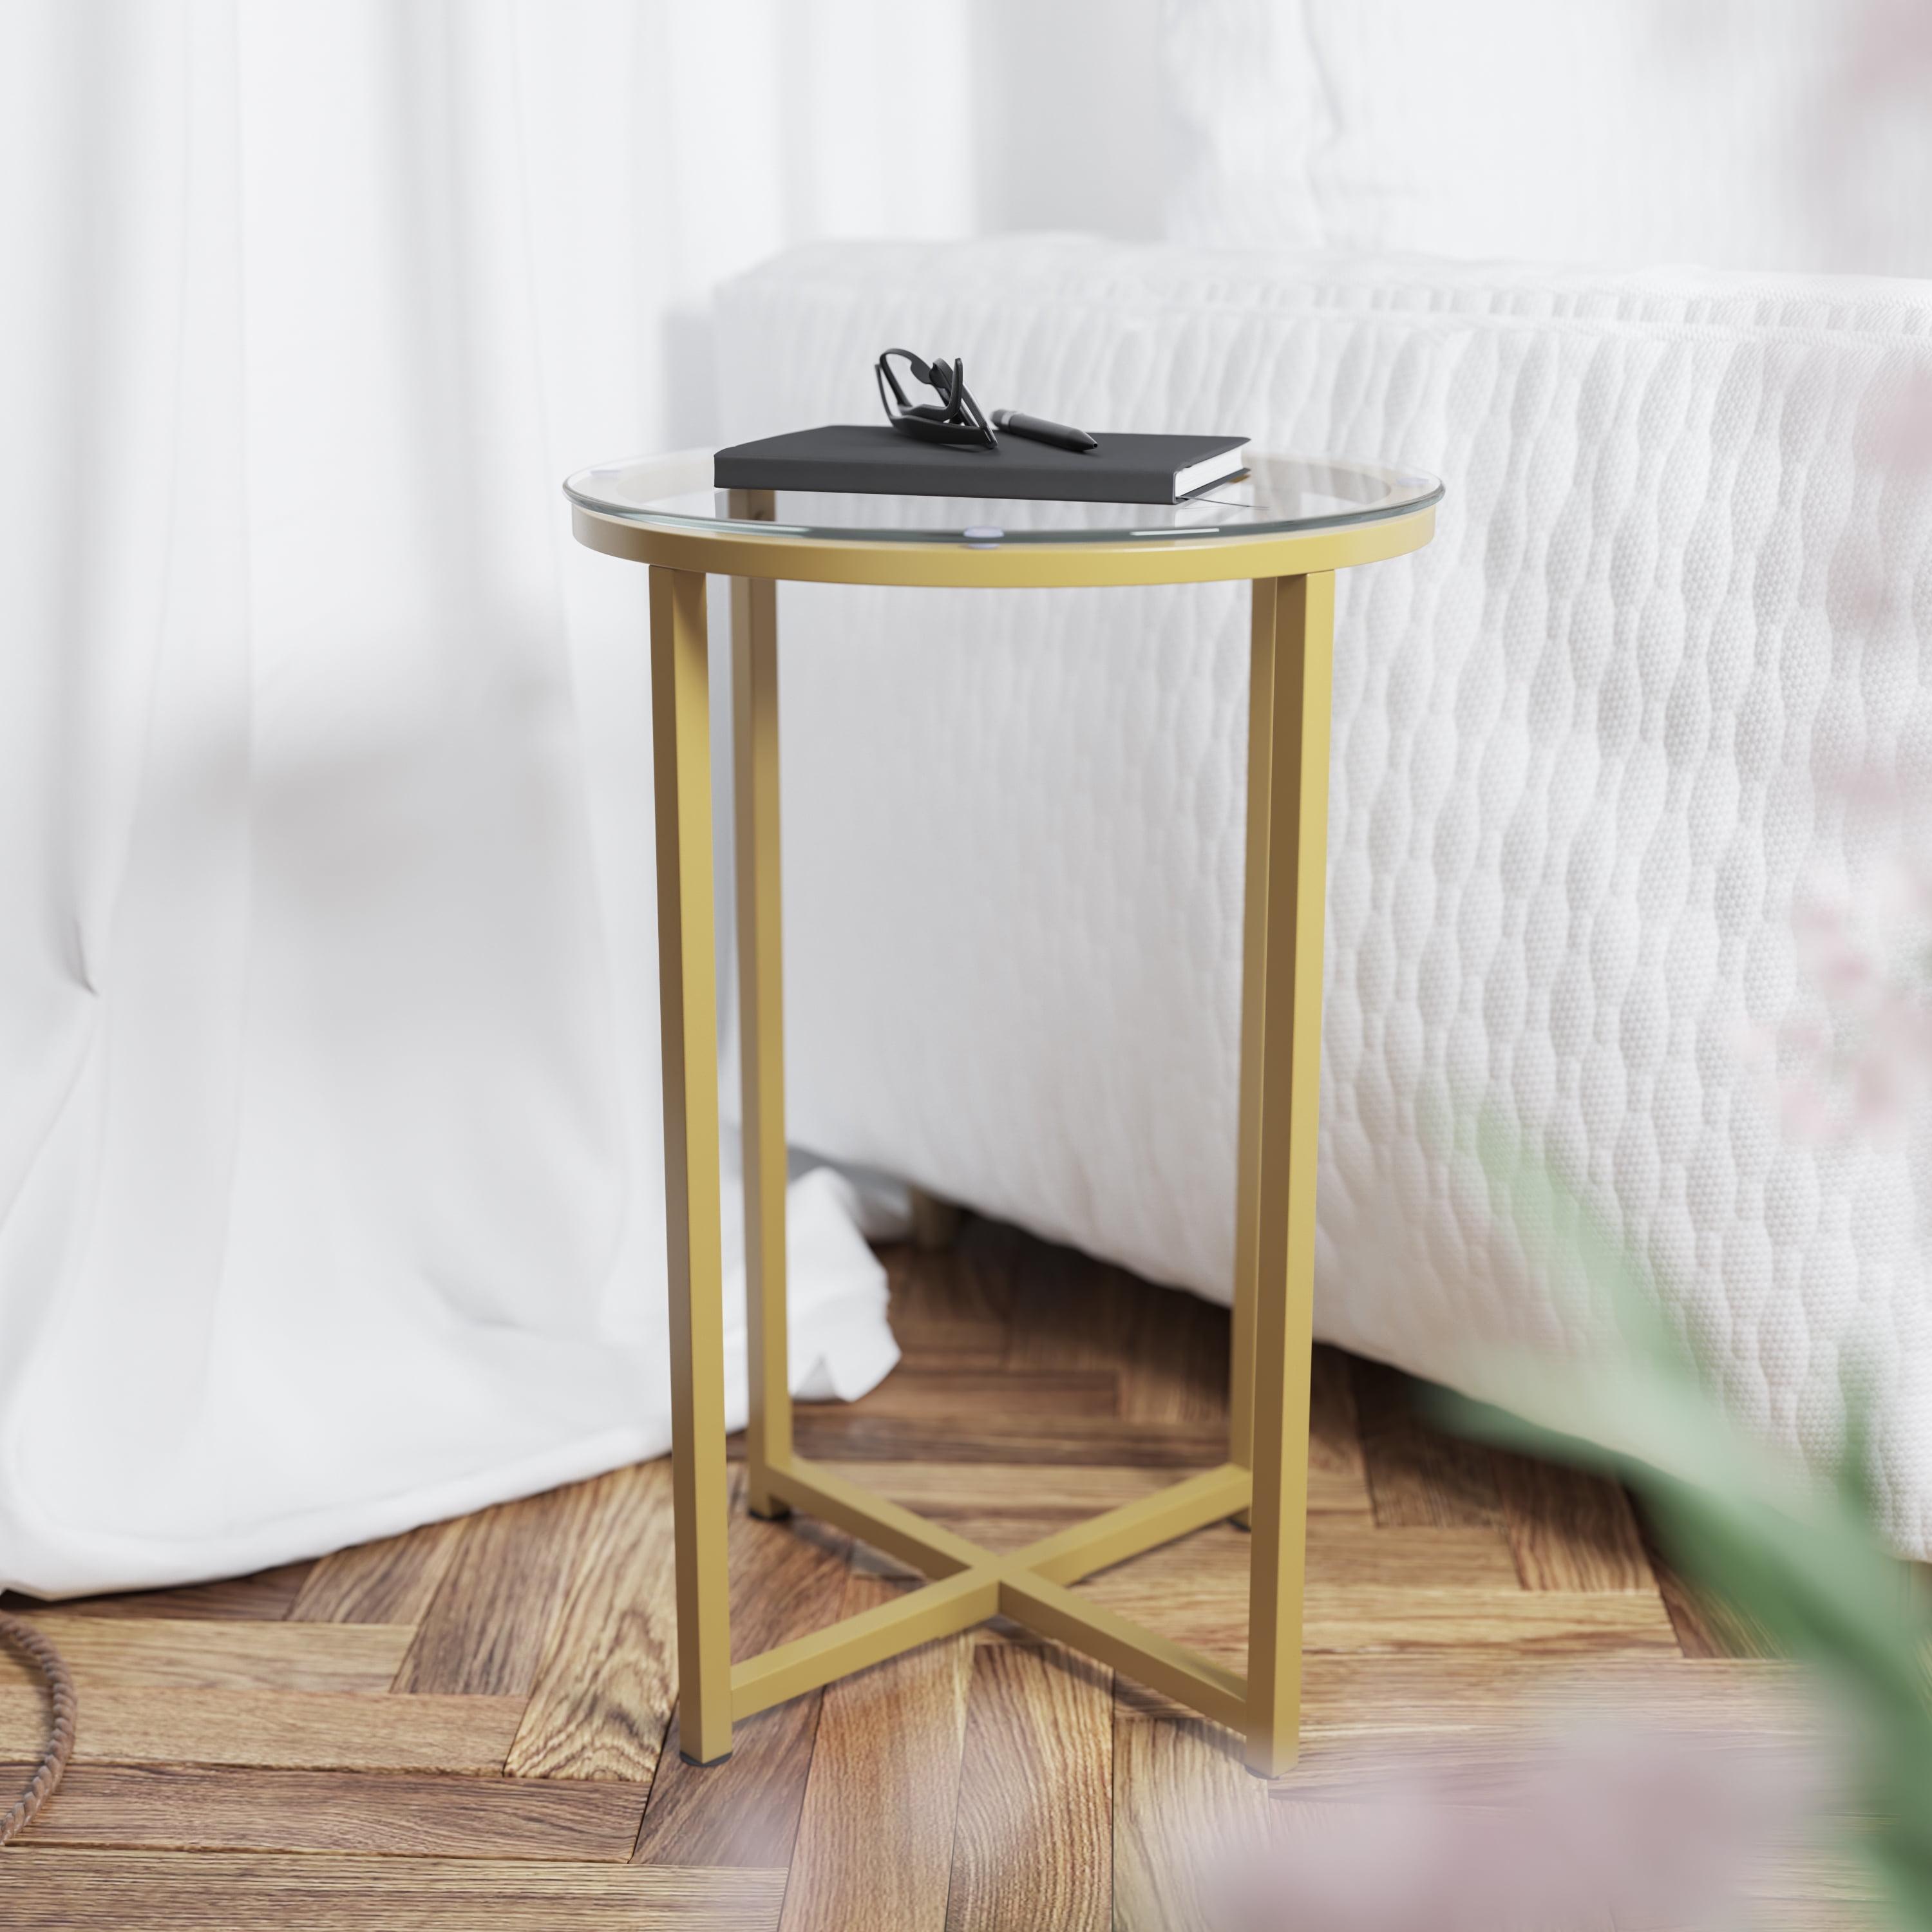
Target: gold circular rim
(882, 561)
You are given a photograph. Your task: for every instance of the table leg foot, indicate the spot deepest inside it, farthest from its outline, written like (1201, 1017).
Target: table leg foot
(705, 1763)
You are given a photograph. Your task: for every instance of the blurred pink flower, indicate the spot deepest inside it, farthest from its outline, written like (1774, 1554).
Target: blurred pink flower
(1902, 441)
(1855, 1053)
(1631, 1824)
(1865, 118)
(1887, 44)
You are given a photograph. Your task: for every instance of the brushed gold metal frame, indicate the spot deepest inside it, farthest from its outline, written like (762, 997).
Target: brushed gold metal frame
(1264, 1481)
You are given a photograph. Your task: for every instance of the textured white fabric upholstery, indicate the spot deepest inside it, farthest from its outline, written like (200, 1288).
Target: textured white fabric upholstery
(1585, 753)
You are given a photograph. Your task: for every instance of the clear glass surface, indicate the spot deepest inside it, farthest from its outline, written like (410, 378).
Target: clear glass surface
(1278, 494)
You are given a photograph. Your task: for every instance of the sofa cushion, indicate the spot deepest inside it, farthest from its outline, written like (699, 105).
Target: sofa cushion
(1663, 673)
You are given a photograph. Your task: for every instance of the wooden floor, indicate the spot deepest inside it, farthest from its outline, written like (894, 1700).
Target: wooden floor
(473, 1723)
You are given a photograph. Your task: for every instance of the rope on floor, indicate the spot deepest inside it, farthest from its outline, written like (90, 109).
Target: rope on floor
(29, 1643)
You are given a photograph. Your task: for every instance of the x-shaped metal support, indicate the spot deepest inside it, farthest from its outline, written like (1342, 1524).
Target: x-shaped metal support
(971, 1584)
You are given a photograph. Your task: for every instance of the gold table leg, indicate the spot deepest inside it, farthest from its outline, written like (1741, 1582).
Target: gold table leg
(1254, 986)
(755, 765)
(1292, 662)
(681, 745)
(1266, 1476)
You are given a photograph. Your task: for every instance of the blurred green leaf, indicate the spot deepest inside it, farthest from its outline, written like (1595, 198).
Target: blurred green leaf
(1801, 1559)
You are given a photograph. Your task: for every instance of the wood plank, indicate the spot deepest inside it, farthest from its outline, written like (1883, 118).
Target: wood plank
(1825, 1914)
(1825, 1885)
(1176, 1374)
(110, 1654)
(1569, 1529)
(57, 1890)
(393, 1581)
(1213, 1618)
(1033, 1837)
(303, 1729)
(1334, 1428)
(954, 1393)
(1062, 1310)
(787, 1578)
(608, 1679)
(1417, 1476)
(488, 1625)
(1041, 1451)
(1169, 1350)
(1003, 1507)
(934, 1344)
(1453, 1690)
(1344, 1553)
(743, 1811)
(943, 1314)
(262, 1597)
(828, 1434)
(1341, 1549)
(1478, 1769)
(999, 1506)
(1349, 1697)
(159, 1807)
(1706, 1626)
(1692, 1615)
(1174, 1349)
(746, 1806)
(1352, 1549)
(1184, 1808)
(1056, 1493)
(874, 1841)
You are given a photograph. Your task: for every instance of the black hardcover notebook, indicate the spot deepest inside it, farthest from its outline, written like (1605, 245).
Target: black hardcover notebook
(871, 459)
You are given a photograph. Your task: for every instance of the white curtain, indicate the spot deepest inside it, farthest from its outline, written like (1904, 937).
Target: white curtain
(330, 1148)
(1759, 134)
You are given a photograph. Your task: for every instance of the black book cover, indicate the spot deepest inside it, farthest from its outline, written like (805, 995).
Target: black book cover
(872, 459)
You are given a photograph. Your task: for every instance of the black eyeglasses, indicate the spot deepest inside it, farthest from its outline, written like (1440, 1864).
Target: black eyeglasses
(954, 418)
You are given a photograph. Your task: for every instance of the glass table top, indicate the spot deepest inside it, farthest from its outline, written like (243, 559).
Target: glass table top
(1279, 494)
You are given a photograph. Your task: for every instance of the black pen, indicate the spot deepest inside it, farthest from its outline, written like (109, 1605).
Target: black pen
(1059, 434)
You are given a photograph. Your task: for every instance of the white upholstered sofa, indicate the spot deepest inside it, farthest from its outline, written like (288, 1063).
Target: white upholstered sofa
(1665, 670)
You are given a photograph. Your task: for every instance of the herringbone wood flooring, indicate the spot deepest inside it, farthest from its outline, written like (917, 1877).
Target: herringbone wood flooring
(474, 1723)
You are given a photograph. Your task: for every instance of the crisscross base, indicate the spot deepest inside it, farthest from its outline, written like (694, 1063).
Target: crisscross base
(972, 1583)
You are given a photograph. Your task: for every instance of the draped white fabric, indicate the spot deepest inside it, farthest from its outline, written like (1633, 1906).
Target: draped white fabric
(1758, 134)
(330, 1145)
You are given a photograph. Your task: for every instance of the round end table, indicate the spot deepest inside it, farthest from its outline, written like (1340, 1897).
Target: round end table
(1287, 525)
